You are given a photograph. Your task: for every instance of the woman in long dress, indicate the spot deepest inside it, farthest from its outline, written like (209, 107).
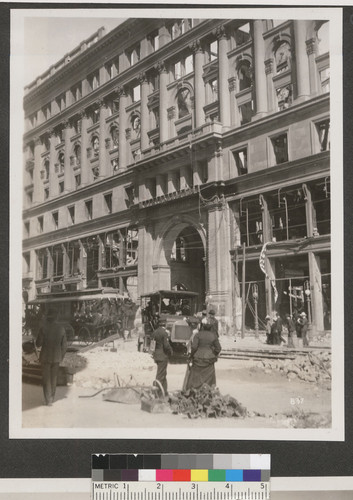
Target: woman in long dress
(205, 349)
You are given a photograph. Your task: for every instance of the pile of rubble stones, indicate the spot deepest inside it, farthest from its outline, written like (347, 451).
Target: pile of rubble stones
(314, 368)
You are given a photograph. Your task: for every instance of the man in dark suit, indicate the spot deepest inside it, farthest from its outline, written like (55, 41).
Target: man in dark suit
(162, 352)
(52, 339)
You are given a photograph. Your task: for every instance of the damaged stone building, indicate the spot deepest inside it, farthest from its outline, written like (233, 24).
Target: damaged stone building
(169, 152)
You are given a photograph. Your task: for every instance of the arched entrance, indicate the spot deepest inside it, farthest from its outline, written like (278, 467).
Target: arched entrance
(181, 260)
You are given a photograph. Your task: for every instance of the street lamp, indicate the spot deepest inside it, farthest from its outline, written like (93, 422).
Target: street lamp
(255, 296)
(307, 293)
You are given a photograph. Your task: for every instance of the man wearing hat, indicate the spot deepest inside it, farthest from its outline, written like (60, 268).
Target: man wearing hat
(213, 321)
(52, 339)
(162, 352)
(303, 322)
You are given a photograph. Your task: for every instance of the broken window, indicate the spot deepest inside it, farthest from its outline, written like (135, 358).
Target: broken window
(42, 260)
(71, 211)
(57, 260)
(55, 216)
(73, 254)
(280, 148)
(288, 214)
(113, 250)
(323, 130)
(108, 200)
(250, 221)
(321, 199)
(241, 160)
(88, 206)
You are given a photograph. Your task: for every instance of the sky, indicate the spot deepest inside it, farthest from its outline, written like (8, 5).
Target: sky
(48, 39)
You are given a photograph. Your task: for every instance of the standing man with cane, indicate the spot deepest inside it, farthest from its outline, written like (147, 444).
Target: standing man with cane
(52, 339)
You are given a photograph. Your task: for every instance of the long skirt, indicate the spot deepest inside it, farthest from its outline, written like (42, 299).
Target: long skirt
(201, 372)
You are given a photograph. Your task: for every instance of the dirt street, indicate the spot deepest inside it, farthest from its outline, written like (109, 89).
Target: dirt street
(267, 396)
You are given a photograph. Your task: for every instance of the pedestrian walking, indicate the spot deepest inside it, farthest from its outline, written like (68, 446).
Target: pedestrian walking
(291, 330)
(268, 330)
(52, 340)
(162, 352)
(205, 349)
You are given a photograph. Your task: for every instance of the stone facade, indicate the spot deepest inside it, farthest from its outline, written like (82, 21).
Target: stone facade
(193, 139)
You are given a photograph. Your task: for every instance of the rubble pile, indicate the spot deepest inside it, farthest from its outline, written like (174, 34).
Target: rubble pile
(315, 368)
(206, 402)
(105, 368)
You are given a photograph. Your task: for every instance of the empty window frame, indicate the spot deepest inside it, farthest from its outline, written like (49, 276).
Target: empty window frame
(241, 160)
(288, 214)
(46, 193)
(323, 133)
(154, 40)
(113, 250)
(325, 80)
(280, 148)
(71, 211)
(42, 264)
(27, 228)
(57, 256)
(250, 222)
(61, 187)
(55, 217)
(108, 202)
(321, 199)
(89, 209)
(213, 90)
(136, 93)
(213, 51)
(93, 80)
(134, 54)
(243, 34)
(77, 181)
(73, 254)
(40, 220)
(246, 112)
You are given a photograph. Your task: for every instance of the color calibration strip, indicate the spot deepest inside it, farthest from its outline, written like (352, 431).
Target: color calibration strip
(169, 476)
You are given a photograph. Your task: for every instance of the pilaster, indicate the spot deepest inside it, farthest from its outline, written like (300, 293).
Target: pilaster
(223, 92)
(144, 111)
(301, 60)
(163, 101)
(199, 85)
(122, 128)
(260, 77)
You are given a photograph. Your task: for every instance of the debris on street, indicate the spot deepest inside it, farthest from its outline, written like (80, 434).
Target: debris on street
(314, 368)
(206, 402)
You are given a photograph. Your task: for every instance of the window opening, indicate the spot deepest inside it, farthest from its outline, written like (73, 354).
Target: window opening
(280, 148)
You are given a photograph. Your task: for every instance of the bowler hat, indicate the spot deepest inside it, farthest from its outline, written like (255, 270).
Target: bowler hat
(211, 312)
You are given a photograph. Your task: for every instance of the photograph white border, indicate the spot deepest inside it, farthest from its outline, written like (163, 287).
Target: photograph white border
(336, 433)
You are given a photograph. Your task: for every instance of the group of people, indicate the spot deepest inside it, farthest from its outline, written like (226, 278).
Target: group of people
(297, 325)
(203, 351)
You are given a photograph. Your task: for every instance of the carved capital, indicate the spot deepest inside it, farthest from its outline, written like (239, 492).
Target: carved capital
(171, 112)
(161, 67)
(311, 46)
(232, 84)
(121, 91)
(196, 46)
(220, 32)
(142, 78)
(82, 114)
(269, 64)
(66, 124)
(128, 133)
(100, 103)
(37, 141)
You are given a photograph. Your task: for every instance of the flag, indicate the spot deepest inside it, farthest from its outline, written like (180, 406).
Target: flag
(263, 269)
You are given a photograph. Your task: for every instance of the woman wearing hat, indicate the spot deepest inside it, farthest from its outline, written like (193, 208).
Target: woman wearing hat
(205, 349)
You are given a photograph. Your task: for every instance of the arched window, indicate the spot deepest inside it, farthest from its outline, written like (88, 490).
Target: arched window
(184, 102)
(244, 75)
(114, 134)
(136, 124)
(46, 169)
(322, 36)
(95, 145)
(77, 154)
(61, 159)
(283, 57)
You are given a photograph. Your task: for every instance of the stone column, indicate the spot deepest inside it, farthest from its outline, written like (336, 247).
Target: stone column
(311, 50)
(219, 263)
(145, 260)
(260, 77)
(68, 172)
(215, 163)
(53, 179)
(122, 127)
(38, 192)
(199, 85)
(223, 65)
(309, 211)
(171, 114)
(163, 101)
(317, 310)
(271, 98)
(105, 169)
(234, 111)
(301, 60)
(144, 111)
(85, 167)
